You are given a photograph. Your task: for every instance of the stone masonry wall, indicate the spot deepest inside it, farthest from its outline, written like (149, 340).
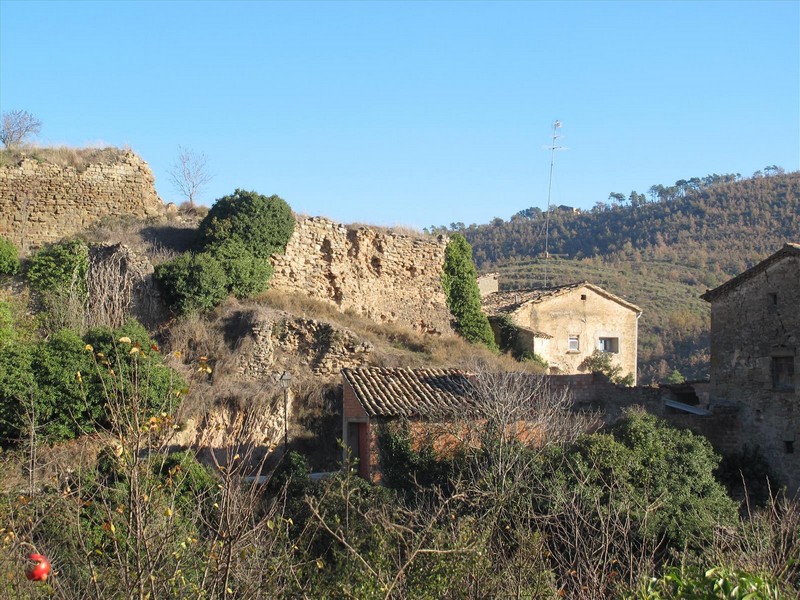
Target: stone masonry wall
(384, 276)
(42, 203)
(324, 349)
(751, 325)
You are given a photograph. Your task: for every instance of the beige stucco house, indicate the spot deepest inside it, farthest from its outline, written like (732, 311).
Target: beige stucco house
(755, 357)
(564, 325)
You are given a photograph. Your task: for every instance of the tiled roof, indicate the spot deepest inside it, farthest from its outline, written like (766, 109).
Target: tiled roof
(788, 249)
(504, 303)
(408, 392)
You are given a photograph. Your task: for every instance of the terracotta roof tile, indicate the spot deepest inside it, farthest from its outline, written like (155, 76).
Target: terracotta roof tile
(407, 392)
(506, 302)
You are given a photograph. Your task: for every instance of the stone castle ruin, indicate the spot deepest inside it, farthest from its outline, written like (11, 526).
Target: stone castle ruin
(381, 275)
(42, 203)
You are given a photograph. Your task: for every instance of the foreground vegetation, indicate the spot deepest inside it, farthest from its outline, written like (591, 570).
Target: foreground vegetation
(576, 514)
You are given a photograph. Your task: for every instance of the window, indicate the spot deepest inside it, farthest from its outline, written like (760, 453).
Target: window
(772, 302)
(772, 298)
(583, 296)
(788, 446)
(574, 343)
(608, 344)
(783, 373)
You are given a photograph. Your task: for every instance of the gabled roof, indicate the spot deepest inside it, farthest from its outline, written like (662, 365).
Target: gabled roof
(507, 302)
(385, 392)
(789, 249)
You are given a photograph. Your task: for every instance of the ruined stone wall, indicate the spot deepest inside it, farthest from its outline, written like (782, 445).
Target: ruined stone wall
(324, 349)
(383, 276)
(42, 203)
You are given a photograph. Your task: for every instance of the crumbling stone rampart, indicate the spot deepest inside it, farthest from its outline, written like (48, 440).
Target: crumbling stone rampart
(42, 203)
(381, 275)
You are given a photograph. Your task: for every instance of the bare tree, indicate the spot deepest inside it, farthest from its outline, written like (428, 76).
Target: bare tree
(16, 126)
(189, 173)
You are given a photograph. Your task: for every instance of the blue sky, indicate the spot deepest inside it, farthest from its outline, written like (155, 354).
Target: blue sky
(415, 113)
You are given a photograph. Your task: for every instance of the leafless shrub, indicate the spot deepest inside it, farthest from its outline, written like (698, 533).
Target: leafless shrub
(767, 540)
(189, 174)
(112, 279)
(16, 126)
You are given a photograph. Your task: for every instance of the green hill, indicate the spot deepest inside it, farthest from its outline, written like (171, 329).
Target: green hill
(660, 251)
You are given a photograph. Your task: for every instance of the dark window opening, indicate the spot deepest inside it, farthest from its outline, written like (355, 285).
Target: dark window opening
(788, 446)
(608, 344)
(783, 373)
(583, 296)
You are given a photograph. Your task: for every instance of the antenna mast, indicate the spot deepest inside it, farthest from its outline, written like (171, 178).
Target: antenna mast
(552, 148)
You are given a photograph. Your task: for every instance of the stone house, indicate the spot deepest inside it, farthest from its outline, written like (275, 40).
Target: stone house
(755, 358)
(375, 395)
(564, 325)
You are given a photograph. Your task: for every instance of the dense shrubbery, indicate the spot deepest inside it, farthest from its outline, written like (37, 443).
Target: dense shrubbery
(459, 280)
(60, 387)
(9, 257)
(60, 267)
(593, 518)
(193, 282)
(263, 224)
(234, 243)
(603, 362)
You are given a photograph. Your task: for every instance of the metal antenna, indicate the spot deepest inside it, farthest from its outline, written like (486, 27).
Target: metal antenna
(552, 148)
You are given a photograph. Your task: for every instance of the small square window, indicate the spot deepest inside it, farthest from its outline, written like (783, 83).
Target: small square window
(608, 344)
(783, 373)
(583, 296)
(574, 343)
(788, 446)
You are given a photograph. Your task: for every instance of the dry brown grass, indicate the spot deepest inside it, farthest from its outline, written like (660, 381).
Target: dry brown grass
(63, 156)
(401, 230)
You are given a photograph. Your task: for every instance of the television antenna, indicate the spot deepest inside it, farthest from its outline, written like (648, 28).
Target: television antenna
(552, 147)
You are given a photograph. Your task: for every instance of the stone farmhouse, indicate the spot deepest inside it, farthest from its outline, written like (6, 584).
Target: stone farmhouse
(755, 358)
(565, 325)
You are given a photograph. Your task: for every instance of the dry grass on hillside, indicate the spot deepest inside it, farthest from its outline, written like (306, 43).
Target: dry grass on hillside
(63, 156)
(159, 240)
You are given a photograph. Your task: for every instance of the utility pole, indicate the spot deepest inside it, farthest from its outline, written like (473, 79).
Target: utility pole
(552, 147)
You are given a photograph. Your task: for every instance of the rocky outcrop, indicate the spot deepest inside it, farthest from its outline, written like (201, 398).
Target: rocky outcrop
(321, 347)
(384, 276)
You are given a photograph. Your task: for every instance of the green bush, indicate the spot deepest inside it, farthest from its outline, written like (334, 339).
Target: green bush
(60, 267)
(247, 274)
(662, 476)
(17, 391)
(64, 408)
(460, 284)
(693, 583)
(9, 257)
(7, 330)
(263, 224)
(131, 370)
(193, 282)
(603, 362)
(63, 387)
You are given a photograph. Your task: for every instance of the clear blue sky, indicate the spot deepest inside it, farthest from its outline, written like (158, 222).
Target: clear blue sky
(415, 113)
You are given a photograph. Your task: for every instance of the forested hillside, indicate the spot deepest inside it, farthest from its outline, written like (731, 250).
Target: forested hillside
(660, 250)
